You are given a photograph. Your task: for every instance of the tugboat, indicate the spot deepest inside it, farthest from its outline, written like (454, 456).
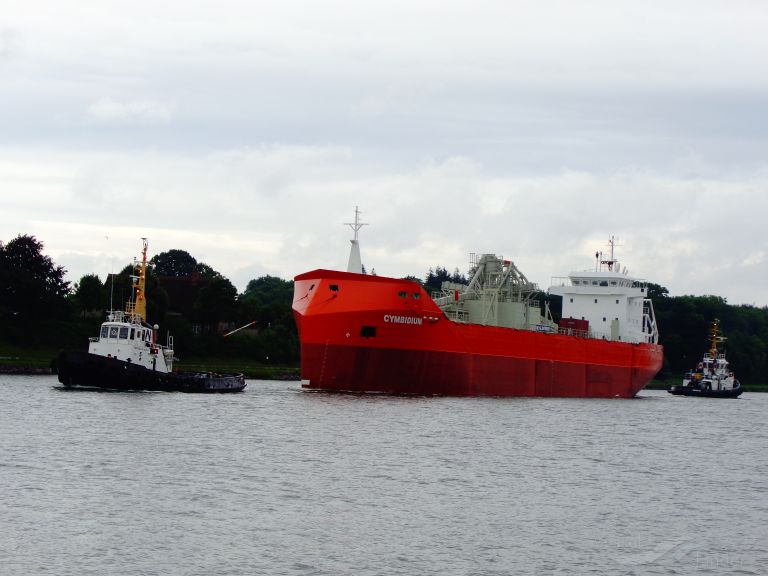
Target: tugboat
(127, 356)
(712, 378)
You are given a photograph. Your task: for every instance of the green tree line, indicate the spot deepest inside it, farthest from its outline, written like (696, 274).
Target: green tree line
(38, 307)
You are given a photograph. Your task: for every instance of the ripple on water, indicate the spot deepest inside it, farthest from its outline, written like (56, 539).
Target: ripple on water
(280, 481)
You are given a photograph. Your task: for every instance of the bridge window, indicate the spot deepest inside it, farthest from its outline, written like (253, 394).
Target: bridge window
(113, 331)
(104, 332)
(367, 331)
(124, 333)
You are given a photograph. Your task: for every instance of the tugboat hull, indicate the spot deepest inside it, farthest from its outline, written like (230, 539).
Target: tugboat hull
(77, 368)
(691, 391)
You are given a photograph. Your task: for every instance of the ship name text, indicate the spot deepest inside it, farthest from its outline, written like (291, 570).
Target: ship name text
(402, 319)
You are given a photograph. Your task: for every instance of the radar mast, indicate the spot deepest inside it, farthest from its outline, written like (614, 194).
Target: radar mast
(355, 264)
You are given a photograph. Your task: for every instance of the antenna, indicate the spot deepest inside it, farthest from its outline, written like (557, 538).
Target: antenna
(356, 225)
(612, 242)
(112, 276)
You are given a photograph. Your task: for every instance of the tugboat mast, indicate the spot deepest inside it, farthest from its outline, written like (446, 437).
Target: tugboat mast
(138, 305)
(141, 300)
(715, 338)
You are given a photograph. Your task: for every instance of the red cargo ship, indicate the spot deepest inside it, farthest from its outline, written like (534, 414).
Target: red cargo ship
(365, 333)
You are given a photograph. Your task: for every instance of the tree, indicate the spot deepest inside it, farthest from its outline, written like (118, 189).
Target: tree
(88, 293)
(268, 300)
(435, 278)
(174, 263)
(181, 263)
(32, 286)
(413, 279)
(656, 292)
(217, 302)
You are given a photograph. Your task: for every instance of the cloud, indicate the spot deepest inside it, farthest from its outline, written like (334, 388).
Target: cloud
(532, 129)
(280, 210)
(6, 42)
(107, 110)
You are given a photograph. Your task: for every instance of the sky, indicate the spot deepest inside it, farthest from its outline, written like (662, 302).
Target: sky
(246, 132)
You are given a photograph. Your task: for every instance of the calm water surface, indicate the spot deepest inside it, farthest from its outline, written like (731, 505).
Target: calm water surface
(280, 481)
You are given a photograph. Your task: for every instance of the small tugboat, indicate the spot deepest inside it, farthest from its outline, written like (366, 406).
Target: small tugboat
(712, 378)
(127, 356)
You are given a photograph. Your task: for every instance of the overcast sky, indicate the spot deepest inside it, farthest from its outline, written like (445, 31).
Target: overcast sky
(246, 132)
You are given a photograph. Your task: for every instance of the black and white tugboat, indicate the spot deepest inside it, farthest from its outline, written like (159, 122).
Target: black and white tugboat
(126, 354)
(712, 378)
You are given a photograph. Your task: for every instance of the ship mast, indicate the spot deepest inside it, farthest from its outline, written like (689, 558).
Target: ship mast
(612, 261)
(714, 338)
(138, 307)
(355, 264)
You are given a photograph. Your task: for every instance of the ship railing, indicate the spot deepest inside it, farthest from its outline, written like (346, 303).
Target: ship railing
(649, 322)
(457, 314)
(116, 316)
(599, 335)
(573, 332)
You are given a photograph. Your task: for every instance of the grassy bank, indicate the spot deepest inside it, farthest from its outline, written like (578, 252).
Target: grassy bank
(245, 366)
(25, 361)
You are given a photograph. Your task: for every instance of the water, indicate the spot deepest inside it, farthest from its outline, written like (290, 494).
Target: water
(279, 481)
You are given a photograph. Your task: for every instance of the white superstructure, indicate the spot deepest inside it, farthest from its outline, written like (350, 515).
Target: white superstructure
(125, 337)
(615, 304)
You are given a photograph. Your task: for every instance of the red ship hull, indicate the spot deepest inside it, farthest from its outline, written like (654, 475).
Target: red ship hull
(364, 333)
